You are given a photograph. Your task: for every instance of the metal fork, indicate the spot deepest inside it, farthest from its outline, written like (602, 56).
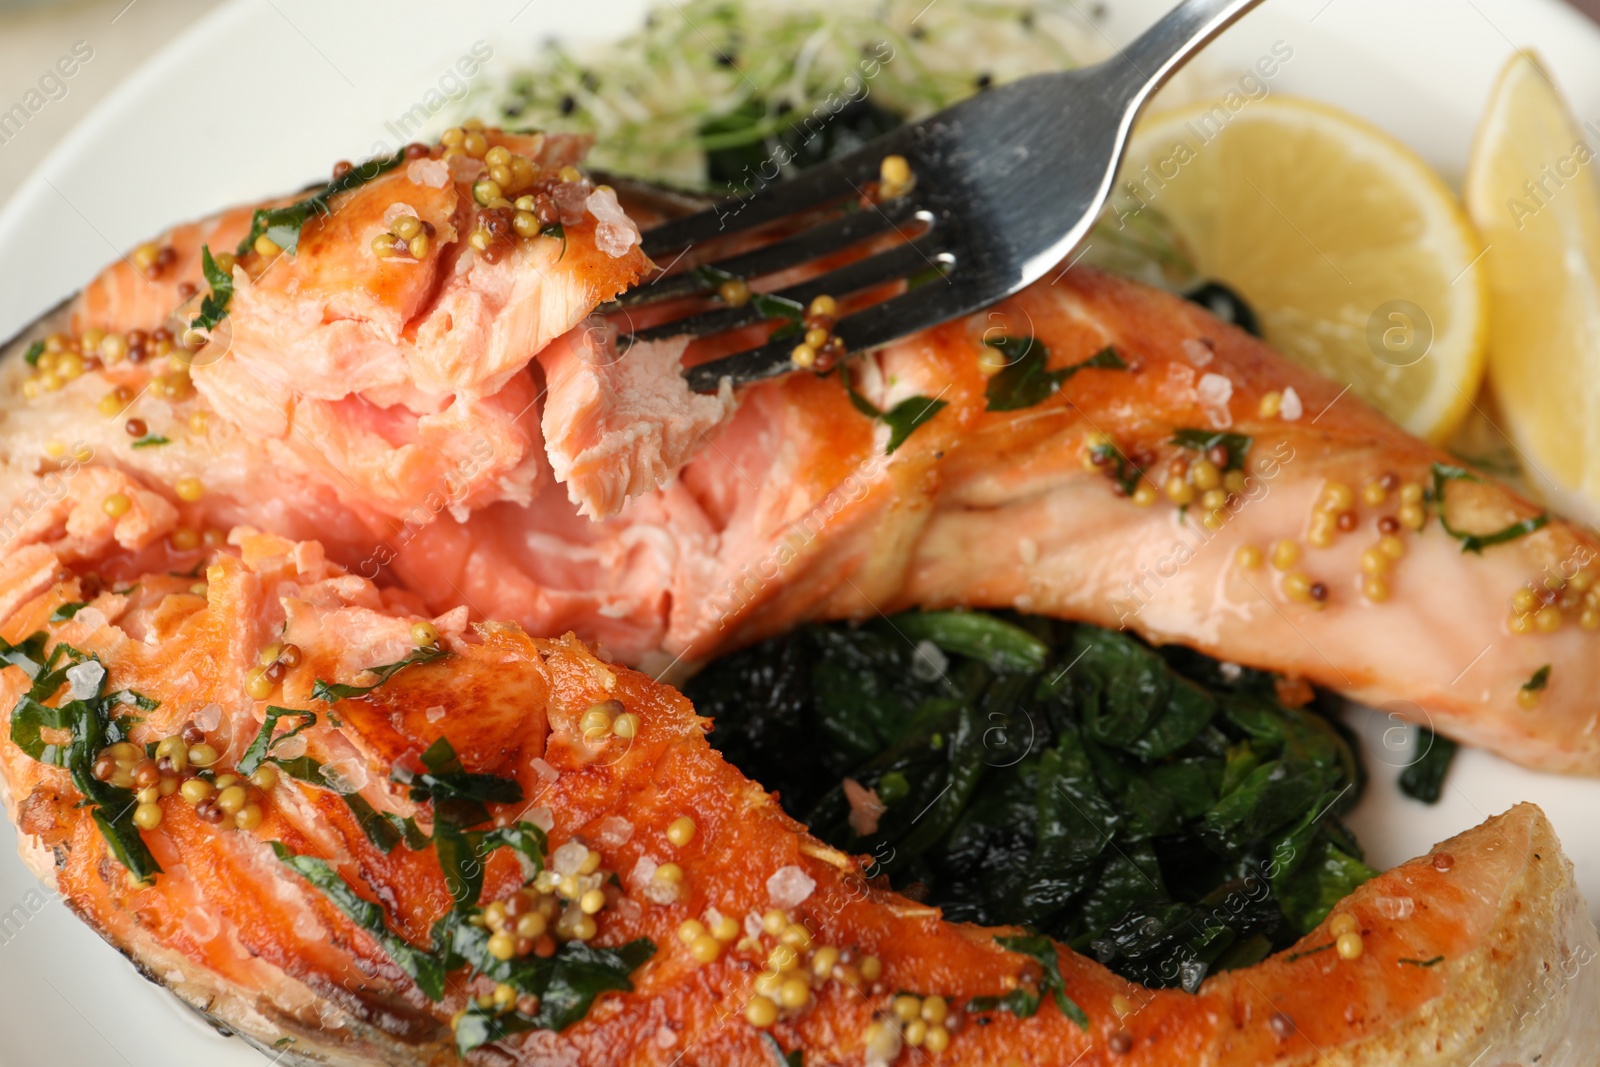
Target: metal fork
(1006, 184)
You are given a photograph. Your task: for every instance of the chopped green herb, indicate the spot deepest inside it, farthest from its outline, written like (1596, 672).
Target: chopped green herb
(282, 225)
(1307, 952)
(327, 691)
(1423, 777)
(462, 854)
(150, 440)
(1027, 379)
(214, 308)
(770, 305)
(458, 797)
(92, 723)
(1237, 444)
(902, 420)
(1122, 470)
(424, 968)
(555, 229)
(265, 740)
(1420, 963)
(566, 984)
(35, 350)
(1443, 474)
(384, 829)
(67, 611)
(780, 1058)
(1043, 951)
(138, 700)
(1540, 679)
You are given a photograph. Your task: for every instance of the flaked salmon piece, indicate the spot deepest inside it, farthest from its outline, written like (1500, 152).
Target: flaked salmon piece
(795, 512)
(386, 376)
(620, 424)
(283, 914)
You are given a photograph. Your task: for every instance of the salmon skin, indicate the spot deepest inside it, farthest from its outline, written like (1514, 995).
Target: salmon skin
(410, 841)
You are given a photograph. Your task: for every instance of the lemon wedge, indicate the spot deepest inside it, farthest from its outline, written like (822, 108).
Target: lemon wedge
(1532, 191)
(1356, 258)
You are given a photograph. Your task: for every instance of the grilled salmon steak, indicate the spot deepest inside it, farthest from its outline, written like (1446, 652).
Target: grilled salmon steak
(1190, 485)
(358, 835)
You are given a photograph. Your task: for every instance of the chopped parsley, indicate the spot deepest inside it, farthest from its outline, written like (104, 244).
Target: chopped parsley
(214, 307)
(457, 796)
(150, 440)
(68, 610)
(424, 968)
(1443, 474)
(902, 420)
(1119, 466)
(35, 350)
(282, 225)
(1237, 444)
(1540, 679)
(1027, 379)
(770, 305)
(1023, 1002)
(566, 984)
(265, 739)
(329, 692)
(1420, 963)
(92, 723)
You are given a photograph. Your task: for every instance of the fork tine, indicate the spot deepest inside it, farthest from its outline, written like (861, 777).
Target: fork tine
(926, 252)
(876, 325)
(811, 188)
(833, 235)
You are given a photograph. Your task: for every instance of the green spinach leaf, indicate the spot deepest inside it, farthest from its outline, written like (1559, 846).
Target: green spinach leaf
(1423, 778)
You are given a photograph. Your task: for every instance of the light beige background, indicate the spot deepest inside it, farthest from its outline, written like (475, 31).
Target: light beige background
(33, 36)
(35, 33)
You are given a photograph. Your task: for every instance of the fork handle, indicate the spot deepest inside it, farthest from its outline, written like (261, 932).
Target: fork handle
(1152, 58)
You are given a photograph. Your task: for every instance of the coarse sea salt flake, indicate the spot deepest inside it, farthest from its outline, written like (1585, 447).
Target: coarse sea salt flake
(544, 770)
(569, 857)
(928, 662)
(613, 831)
(85, 679)
(615, 233)
(434, 173)
(1214, 390)
(1395, 909)
(397, 210)
(1198, 352)
(1291, 408)
(789, 886)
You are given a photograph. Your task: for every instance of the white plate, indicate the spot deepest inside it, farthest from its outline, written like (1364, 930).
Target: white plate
(262, 95)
